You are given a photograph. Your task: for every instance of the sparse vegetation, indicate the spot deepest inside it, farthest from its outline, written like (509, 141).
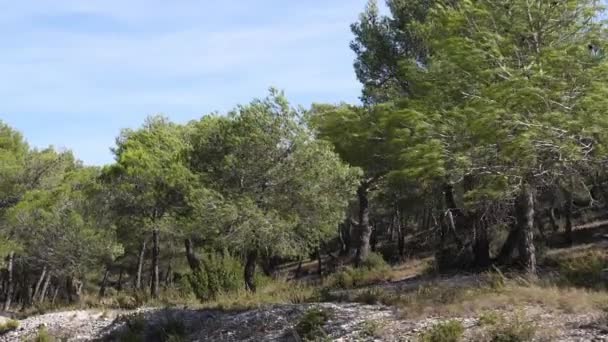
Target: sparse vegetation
(9, 325)
(450, 331)
(311, 326)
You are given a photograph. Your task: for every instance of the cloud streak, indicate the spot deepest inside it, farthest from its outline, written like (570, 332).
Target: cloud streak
(117, 61)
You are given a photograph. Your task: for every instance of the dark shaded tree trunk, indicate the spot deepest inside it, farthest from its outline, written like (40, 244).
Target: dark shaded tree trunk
(45, 288)
(553, 219)
(55, 295)
(524, 212)
(481, 247)
(119, 285)
(568, 216)
(104, 283)
(155, 275)
(140, 265)
(250, 263)
(345, 238)
(365, 229)
(9, 284)
(319, 262)
(400, 227)
(39, 284)
(168, 276)
(506, 251)
(298, 272)
(193, 260)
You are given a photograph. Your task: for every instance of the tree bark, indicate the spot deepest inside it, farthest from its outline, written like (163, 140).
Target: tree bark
(319, 262)
(524, 210)
(155, 274)
(345, 238)
(481, 247)
(9, 286)
(250, 264)
(298, 271)
(119, 285)
(568, 217)
(104, 283)
(400, 227)
(553, 219)
(45, 288)
(365, 230)
(140, 265)
(193, 260)
(168, 275)
(39, 283)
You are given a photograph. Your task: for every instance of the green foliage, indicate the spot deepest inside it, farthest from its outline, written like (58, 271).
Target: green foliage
(585, 269)
(450, 331)
(43, 335)
(9, 325)
(512, 330)
(310, 326)
(220, 273)
(373, 270)
(371, 328)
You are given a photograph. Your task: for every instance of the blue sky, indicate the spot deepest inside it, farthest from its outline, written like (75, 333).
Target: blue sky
(74, 72)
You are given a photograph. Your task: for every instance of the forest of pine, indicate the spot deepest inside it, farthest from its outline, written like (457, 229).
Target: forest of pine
(479, 148)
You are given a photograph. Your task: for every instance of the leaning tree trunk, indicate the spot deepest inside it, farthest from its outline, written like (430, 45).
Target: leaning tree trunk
(45, 288)
(38, 284)
(365, 229)
(524, 212)
(250, 264)
(9, 284)
(155, 274)
(193, 260)
(104, 283)
(140, 265)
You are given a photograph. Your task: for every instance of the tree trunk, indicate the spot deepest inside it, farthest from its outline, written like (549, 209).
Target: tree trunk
(39, 283)
(119, 285)
(298, 269)
(155, 254)
(345, 239)
(524, 210)
(104, 283)
(140, 265)
(55, 295)
(193, 260)
(319, 262)
(553, 219)
(400, 227)
(9, 285)
(250, 264)
(481, 247)
(168, 276)
(365, 230)
(568, 216)
(45, 288)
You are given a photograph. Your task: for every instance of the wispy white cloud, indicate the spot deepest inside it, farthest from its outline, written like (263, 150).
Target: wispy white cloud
(122, 60)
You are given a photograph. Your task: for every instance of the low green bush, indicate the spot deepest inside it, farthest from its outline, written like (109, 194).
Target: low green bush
(9, 325)
(220, 273)
(450, 331)
(310, 326)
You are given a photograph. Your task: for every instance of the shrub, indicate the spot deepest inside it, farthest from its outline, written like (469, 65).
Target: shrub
(450, 331)
(373, 270)
(221, 273)
(584, 270)
(371, 329)
(310, 326)
(9, 325)
(515, 330)
(170, 330)
(125, 301)
(43, 336)
(375, 261)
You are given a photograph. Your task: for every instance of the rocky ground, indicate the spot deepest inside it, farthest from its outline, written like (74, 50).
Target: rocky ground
(348, 322)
